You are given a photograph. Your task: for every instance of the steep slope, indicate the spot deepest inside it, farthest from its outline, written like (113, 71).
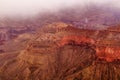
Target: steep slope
(60, 51)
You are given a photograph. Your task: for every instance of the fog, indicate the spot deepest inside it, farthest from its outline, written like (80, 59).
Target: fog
(32, 7)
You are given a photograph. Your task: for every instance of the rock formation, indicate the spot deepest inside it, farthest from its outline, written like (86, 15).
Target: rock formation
(60, 51)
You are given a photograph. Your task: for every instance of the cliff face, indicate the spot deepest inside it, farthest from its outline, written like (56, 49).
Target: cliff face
(60, 51)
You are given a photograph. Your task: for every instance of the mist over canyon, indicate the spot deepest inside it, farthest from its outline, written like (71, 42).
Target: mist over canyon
(76, 42)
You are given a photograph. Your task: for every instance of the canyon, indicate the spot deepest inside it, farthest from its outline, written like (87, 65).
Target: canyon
(60, 51)
(70, 44)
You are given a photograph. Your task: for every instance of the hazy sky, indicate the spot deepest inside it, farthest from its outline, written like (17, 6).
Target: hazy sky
(28, 7)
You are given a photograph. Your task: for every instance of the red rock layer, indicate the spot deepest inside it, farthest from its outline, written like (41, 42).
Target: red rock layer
(108, 53)
(76, 40)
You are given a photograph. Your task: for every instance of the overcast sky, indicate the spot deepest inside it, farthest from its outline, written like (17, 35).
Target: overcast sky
(28, 7)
